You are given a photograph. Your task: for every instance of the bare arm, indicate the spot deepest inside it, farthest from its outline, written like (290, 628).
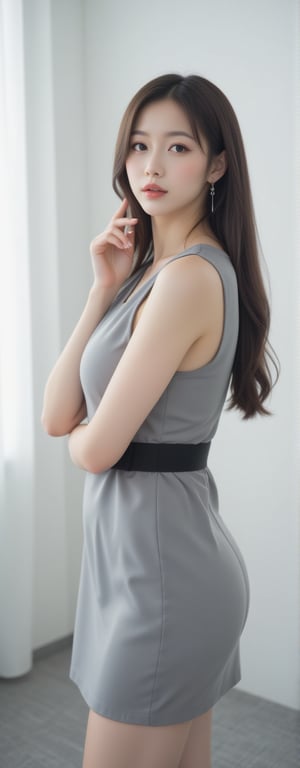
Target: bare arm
(181, 308)
(64, 404)
(112, 256)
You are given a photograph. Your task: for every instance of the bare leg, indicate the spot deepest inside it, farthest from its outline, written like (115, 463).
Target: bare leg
(112, 744)
(197, 750)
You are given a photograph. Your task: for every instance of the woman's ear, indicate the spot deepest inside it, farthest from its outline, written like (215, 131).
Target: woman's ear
(218, 167)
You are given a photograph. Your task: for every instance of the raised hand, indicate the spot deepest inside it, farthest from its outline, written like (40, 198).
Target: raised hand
(112, 251)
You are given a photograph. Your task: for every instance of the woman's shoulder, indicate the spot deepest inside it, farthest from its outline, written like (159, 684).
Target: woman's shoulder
(216, 258)
(188, 282)
(197, 283)
(202, 262)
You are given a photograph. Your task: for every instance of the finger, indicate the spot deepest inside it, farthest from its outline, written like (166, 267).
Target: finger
(117, 242)
(124, 222)
(126, 238)
(119, 233)
(130, 225)
(129, 230)
(130, 234)
(112, 237)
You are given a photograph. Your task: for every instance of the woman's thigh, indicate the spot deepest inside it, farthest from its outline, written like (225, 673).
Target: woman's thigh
(197, 749)
(112, 744)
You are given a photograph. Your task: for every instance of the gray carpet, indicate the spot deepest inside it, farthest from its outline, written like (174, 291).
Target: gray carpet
(43, 719)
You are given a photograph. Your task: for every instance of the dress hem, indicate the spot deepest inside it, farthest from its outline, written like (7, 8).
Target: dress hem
(138, 718)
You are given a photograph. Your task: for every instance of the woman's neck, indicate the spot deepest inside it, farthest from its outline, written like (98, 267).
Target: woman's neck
(171, 236)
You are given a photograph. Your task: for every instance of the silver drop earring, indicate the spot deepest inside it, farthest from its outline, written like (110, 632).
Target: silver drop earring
(212, 194)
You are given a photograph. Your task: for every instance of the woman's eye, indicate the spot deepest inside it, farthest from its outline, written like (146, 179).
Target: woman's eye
(139, 146)
(179, 148)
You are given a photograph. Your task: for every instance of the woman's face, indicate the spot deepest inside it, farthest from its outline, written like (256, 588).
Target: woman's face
(167, 169)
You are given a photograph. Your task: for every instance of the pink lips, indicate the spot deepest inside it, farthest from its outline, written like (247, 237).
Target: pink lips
(153, 190)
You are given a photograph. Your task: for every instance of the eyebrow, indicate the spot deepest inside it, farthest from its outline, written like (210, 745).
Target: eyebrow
(169, 133)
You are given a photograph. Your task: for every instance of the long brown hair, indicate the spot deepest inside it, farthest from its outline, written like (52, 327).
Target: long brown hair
(211, 116)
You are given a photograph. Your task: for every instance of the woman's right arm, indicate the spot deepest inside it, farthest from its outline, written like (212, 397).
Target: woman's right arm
(112, 257)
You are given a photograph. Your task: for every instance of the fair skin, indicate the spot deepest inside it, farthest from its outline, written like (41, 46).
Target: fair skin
(178, 326)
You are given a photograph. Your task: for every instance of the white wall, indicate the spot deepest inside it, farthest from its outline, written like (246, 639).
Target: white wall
(82, 70)
(58, 205)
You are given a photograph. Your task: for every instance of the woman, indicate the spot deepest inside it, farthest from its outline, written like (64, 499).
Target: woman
(177, 312)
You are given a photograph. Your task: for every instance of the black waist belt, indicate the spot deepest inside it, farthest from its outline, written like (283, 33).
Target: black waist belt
(164, 457)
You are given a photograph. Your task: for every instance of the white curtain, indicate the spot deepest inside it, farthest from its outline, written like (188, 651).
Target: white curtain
(16, 421)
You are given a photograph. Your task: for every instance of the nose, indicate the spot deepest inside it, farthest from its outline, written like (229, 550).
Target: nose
(149, 171)
(153, 166)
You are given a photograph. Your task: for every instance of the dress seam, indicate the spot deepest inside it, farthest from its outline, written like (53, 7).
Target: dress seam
(163, 605)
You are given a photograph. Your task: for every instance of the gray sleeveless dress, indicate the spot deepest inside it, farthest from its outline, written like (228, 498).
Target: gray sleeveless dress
(164, 591)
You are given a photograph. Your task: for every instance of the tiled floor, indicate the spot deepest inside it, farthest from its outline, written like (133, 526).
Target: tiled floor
(43, 719)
